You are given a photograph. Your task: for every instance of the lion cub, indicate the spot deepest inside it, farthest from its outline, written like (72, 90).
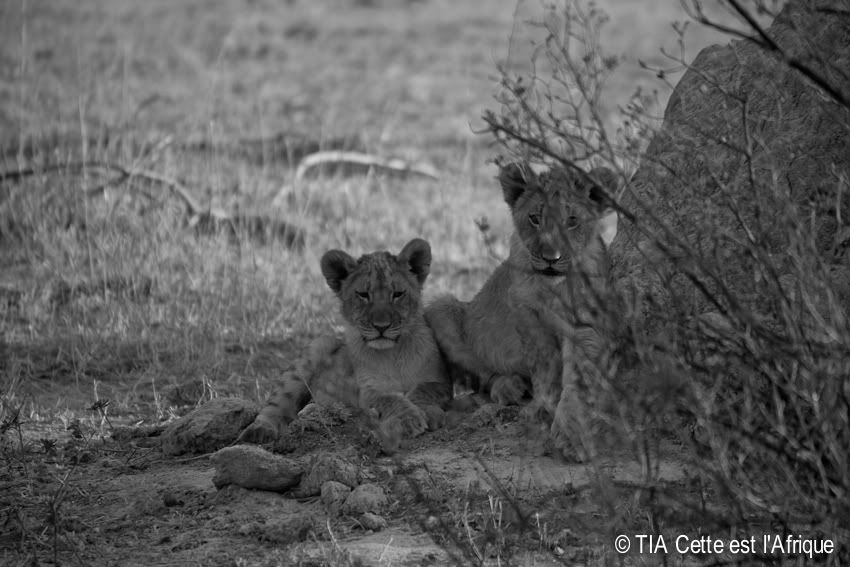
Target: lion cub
(513, 334)
(388, 362)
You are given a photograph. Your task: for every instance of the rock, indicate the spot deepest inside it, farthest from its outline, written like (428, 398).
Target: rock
(316, 417)
(333, 496)
(142, 436)
(282, 530)
(170, 499)
(323, 468)
(365, 498)
(250, 466)
(212, 426)
(432, 523)
(373, 522)
(694, 169)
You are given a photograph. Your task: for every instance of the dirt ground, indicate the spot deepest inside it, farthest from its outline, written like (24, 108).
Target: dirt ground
(474, 492)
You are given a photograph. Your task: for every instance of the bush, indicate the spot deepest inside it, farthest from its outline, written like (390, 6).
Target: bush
(730, 260)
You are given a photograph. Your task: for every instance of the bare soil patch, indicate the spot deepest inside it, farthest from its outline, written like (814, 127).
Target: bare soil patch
(466, 494)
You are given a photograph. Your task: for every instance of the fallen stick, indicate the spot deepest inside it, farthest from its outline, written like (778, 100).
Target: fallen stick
(394, 165)
(202, 220)
(192, 206)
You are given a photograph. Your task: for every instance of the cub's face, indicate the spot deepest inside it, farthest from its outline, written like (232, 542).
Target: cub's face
(558, 214)
(380, 292)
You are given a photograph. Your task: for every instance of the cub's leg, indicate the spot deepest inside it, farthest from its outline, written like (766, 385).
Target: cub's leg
(507, 389)
(542, 349)
(323, 376)
(397, 414)
(283, 406)
(572, 431)
(447, 318)
(433, 398)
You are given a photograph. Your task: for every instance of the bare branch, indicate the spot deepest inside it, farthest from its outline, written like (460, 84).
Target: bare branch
(192, 205)
(393, 165)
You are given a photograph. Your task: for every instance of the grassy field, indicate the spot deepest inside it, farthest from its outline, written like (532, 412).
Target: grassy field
(112, 297)
(182, 90)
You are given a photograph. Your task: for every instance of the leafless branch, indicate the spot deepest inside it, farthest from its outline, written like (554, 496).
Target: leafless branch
(205, 220)
(393, 165)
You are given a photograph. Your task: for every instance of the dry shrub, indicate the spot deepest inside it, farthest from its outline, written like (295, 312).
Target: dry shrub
(726, 314)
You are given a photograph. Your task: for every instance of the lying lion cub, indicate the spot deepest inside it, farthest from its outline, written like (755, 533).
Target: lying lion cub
(513, 334)
(388, 362)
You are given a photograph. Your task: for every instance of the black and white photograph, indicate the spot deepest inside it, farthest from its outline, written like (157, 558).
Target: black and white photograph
(322, 283)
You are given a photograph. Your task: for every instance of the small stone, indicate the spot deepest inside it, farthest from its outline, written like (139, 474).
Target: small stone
(432, 523)
(373, 522)
(250, 466)
(170, 500)
(323, 468)
(212, 426)
(365, 498)
(558, 550)
(333, 496)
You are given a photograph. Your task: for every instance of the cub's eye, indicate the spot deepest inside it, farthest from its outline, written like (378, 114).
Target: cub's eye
(572, 221)
(534, 219)
(364, 295)
(398, 294)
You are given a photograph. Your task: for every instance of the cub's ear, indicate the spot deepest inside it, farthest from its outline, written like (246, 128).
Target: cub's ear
(603, 188)
(336, 266)
(514, 178)
(416, 254)
(607, 227)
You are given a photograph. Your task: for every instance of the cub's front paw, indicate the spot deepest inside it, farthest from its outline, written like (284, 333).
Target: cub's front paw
(400, 415)
(566, 446)
(535, 413)
(570, 435)
(508, 390)
(434, 415)
(405, 422)
(411, 421)
(260, 432)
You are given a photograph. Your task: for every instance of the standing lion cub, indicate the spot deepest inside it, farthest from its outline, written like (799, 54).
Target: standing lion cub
(388, 362)
(534, 315)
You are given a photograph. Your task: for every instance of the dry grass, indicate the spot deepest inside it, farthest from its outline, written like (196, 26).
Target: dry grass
(135, 83)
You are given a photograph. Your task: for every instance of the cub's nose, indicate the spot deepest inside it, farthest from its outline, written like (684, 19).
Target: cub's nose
(550, 255)
(381, 326)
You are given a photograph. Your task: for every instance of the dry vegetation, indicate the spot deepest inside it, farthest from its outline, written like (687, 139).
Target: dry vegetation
(117, 308)
(220, 95)
(727, 312)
